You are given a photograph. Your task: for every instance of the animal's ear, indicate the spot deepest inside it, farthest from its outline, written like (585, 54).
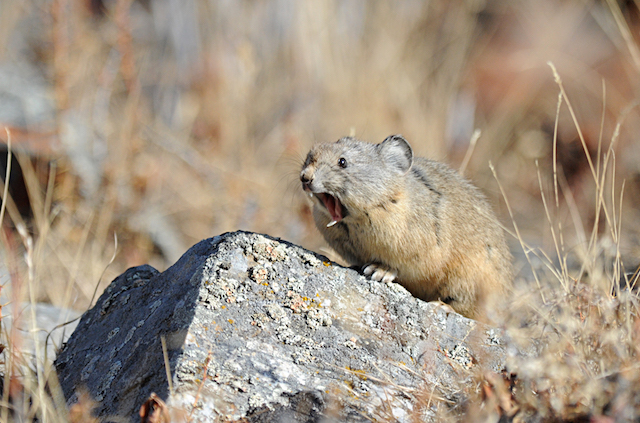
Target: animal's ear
(397, 152)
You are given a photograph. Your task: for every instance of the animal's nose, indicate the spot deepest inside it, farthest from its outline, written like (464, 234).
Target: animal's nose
(306, 176)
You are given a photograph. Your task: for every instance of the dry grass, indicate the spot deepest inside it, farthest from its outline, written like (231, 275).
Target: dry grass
(574, 340)
(167, 126)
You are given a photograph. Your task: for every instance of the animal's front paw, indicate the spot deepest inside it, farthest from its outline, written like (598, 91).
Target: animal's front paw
(380, 273)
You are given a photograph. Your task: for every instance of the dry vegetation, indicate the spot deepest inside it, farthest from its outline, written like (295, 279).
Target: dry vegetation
(161, 123)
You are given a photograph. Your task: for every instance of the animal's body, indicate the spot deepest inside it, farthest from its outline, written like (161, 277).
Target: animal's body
(410, 220)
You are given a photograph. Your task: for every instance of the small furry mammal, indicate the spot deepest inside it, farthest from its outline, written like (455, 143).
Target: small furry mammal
(409, 219)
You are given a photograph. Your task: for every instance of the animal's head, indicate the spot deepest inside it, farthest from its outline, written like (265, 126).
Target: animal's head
(351, 176)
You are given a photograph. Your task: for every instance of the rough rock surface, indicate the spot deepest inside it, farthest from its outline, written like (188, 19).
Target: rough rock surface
(262, 329)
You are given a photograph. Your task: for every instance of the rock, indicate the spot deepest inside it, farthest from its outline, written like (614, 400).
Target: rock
(262, 329)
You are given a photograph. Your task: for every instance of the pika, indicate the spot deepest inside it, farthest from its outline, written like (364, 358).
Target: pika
(409, 219)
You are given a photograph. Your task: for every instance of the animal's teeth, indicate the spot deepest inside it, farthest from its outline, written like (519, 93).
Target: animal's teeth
(330, 224)
(310, 195)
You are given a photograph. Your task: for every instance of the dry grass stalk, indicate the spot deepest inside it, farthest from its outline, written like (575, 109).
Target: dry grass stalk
(202, 150)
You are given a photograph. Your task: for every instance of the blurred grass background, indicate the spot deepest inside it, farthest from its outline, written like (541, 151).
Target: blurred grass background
(165, 122)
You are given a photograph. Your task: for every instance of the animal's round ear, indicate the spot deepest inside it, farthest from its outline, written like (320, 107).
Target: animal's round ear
(397, 152)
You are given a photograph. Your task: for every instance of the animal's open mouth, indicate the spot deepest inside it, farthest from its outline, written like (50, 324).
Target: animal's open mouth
(334, 206)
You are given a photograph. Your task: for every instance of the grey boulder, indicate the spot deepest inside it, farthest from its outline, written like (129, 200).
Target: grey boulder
(260, 329)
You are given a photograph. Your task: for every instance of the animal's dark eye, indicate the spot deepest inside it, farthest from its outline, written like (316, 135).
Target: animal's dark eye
(342, 162)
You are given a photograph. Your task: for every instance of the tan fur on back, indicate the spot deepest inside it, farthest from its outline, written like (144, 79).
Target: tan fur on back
(414, 216)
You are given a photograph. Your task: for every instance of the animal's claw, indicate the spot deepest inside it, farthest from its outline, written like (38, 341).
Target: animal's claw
(380, 273)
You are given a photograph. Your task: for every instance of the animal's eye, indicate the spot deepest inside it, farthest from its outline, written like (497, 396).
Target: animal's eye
(342, 162)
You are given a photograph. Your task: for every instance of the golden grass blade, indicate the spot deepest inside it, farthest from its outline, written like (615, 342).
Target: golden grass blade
(625, 31)
(515, 227)
(472, 145)
(5, 192)
(556, 242)
(574, 118)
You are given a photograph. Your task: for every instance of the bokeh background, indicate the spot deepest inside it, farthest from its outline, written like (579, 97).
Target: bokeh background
(164, 122)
